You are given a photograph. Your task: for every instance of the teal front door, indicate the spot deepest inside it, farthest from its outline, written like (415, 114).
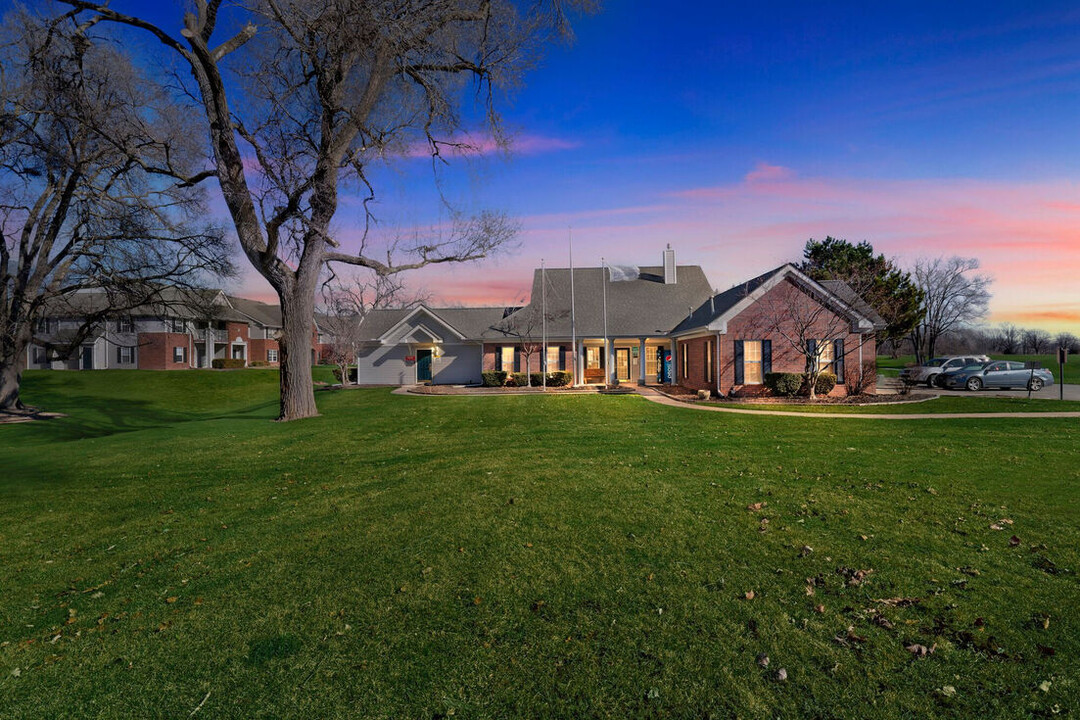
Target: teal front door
(423, 366)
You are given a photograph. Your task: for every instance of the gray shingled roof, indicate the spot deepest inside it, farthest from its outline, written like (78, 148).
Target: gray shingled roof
(262, 313)
(470, 322)
(721, 303)
(187, 303)
(635, 308)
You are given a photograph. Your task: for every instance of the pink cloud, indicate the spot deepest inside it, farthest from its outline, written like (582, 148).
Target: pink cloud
(764, 172)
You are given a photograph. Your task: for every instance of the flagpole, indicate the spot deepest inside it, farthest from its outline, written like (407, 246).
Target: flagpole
(543, 321)
(573, 326)
(607, 347)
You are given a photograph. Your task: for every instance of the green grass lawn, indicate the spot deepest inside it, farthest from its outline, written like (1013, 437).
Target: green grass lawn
(891, 366)
(521, 556)
(932, 406)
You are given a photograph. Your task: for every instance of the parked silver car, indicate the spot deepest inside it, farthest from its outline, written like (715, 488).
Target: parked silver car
(929, 372)
(997, 375)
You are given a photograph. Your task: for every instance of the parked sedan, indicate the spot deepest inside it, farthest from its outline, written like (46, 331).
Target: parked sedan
(932, 370)
(999, 375)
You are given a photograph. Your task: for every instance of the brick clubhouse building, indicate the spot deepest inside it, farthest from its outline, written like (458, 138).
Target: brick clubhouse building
(646, 325)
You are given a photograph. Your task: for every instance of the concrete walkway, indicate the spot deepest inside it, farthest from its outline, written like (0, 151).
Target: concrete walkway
(658, 397)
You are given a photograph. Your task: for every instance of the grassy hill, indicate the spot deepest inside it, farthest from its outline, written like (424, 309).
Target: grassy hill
(167, 544)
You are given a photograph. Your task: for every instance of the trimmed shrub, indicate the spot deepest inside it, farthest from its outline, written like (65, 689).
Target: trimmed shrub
(227, 363)
(536, 379)
(518, 379)
(258, 363)
(786, 384)
(493, 378)
(826, 381)
(559, 378)
(337, 374)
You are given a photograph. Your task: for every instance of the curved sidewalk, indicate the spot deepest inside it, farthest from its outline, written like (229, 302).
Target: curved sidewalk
(658, 397)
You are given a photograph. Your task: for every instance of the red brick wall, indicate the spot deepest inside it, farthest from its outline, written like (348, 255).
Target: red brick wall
(257, 350)
(236, 329)
(490, 349)
(695, 363)
(155, 350)
(751, 324)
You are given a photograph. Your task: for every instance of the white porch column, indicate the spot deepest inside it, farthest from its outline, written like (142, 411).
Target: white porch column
(609, 362)
(579, 363)
(641, 361)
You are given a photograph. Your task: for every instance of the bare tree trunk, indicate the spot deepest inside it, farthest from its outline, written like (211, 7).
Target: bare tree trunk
(297, 388)
(12, 364)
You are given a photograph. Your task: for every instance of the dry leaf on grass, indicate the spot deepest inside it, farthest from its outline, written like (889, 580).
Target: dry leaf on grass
(754, 507)
(749, 595)
(920, 650)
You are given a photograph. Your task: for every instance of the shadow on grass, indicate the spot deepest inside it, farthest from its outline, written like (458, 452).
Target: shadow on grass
(92, 417)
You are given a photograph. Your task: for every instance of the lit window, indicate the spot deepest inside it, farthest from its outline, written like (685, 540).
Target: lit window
(507, 355)
(650, 361)
(685, 364)
(708, 360)
(553, 355)
(752, 362)
(592, 358)
(826, 356)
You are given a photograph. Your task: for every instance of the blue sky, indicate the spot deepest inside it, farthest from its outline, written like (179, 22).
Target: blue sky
(737, 131)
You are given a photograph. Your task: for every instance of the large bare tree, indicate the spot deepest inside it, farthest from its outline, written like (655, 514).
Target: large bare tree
(85, 142)
(954, 296)
(320, 90)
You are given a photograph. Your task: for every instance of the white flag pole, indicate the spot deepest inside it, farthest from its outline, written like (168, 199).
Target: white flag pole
(607, 347)
(573, 326)
(543, 324)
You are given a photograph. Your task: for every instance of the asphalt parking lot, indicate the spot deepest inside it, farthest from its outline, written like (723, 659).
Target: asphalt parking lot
(891, 385)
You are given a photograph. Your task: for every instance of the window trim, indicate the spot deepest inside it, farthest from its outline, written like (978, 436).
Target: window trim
(759, 363)
(180, 350)
(271, 355)
(708, 360)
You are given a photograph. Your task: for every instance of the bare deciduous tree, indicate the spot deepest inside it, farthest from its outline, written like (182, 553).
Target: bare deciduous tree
(954, 296)
(85, 141)
(807, 322)
(1068, 341)
(327, 88)
(1036, 341)
(1007, 339)
(346, 303)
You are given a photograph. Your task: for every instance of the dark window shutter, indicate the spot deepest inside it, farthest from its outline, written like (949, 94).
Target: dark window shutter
(517, 358)
(118, 357)
(738, 362)
(811, 350)
(562, 357)
(603, 358)
(838, 354)
(766, 358)
(498, 358)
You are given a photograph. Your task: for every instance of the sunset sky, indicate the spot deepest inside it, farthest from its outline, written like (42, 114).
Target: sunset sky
(736, 133)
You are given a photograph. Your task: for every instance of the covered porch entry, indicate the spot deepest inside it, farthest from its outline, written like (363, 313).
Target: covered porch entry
(644, 361)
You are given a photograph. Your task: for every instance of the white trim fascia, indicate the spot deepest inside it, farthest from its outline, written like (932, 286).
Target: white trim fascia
(418, 308)
(719, 324)
(435, 339)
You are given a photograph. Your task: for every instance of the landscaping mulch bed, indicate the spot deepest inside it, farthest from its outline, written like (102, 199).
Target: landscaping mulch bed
(506, 390)
(684, 395)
